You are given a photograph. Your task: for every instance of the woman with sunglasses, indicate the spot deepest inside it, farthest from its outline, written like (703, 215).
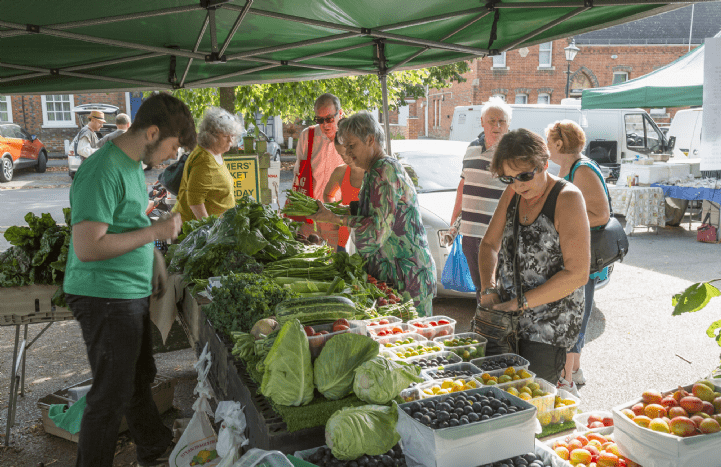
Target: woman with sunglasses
(565, 142)
(388, 233)
(553, 253)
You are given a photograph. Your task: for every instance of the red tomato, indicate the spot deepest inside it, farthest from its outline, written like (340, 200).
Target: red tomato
(341, 321)
(433, 323)
(323, 332)
(382, 333)
(443, 321)
(443, 332)
(383, 321)
(308, 331)
(372, 323)
(340, 327)
(382, 301)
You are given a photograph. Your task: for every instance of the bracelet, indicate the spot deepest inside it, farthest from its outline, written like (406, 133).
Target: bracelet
(490, 290)
(522, 303)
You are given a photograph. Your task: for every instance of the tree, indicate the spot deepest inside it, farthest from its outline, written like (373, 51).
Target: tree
(295, 99)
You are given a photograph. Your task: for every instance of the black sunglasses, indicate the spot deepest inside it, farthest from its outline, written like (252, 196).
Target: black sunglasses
(521, 177)
(322, 120)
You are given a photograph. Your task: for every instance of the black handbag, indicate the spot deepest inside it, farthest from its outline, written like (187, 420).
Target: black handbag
(171, 177)
(609, 242)
(500, 328)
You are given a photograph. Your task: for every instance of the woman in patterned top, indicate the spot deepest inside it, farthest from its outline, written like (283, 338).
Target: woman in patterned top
(553, 252)
(388, 231)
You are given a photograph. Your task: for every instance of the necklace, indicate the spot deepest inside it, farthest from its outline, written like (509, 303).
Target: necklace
(530, 203)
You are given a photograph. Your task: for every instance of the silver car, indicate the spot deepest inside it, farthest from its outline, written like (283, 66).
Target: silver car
(435, 167)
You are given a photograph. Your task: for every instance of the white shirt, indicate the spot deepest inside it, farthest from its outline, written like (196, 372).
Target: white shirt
(323, 161)
(86, 145)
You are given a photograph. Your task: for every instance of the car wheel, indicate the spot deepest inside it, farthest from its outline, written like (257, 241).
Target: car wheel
(6, 171)
(42, 162)
(277, 155)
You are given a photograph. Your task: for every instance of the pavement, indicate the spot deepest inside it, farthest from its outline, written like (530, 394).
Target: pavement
(633, 342)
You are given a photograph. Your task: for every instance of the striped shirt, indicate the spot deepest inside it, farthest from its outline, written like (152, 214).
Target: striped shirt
(481, 191)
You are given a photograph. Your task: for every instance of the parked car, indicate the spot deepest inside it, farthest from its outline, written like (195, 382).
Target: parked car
(435, 168)
(20, 149)
(82, 112)
(273, 147)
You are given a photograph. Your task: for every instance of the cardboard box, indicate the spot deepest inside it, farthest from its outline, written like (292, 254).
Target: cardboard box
(653, 449)
(473, 444)
(163, 392)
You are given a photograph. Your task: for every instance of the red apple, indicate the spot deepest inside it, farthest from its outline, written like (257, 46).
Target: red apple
(607, 421)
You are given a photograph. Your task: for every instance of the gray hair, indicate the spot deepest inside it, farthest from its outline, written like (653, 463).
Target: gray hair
(122, 119)
(498, 104)
(362, 125)
(216, 122)
(327, 99)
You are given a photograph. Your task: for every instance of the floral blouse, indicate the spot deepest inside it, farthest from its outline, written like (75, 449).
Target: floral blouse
(389, 233)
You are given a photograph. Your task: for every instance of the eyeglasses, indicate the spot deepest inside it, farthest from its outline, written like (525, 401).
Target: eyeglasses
(322, 120)
(521, 177)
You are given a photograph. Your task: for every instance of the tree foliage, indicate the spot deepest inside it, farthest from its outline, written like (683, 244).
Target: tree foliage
(293, 100)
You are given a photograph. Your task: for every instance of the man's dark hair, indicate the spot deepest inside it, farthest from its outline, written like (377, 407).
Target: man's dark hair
(170, 115)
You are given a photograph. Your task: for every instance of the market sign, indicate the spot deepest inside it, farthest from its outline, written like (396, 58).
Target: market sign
(244, 170)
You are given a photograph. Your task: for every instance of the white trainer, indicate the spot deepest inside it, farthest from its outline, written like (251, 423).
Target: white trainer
(578, 377)
(566, 386)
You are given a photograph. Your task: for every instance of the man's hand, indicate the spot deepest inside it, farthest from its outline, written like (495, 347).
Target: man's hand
(160, 275)
(168, 228)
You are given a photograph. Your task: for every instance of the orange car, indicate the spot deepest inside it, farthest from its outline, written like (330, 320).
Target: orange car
(19, 149)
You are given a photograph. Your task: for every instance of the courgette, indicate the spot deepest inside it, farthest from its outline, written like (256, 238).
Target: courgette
(314, 310)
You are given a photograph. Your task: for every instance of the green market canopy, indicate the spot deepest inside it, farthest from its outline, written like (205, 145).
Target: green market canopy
(677, 84)
(55, 47)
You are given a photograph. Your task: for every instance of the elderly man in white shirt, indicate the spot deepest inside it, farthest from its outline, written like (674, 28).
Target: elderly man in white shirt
(87, 139)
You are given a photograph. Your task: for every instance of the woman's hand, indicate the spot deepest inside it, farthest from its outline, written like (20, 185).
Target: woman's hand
(511, 305)
(324, 215)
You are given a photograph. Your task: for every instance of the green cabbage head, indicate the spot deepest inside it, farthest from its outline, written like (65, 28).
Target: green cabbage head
(365, 430)
(335, 366)
(379, 380)
(288, 376)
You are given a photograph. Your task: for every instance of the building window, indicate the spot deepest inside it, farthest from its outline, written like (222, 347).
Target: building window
(499, 61)
(521, 99)
(545, 51)
(544, 98)
(500, 96)
(620, 77)
(57, 111)
(6, 111)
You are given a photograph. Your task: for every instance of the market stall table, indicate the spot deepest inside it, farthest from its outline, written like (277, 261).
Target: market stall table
(22, 306)
(691, 193)
(640, 205)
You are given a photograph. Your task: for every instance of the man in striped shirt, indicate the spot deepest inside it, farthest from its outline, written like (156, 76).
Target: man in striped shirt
(478, 192)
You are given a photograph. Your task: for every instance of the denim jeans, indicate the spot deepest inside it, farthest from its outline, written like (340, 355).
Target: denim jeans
(117, 336)
(589, 290)
(471, 245)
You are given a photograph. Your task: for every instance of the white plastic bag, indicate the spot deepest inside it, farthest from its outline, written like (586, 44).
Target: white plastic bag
(258, 457)
(231, 436)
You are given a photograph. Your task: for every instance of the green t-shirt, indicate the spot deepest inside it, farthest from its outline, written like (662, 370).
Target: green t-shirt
(110, 188)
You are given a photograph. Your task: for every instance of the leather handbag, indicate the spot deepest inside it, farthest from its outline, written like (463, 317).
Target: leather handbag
(707, 233)
(608, 245)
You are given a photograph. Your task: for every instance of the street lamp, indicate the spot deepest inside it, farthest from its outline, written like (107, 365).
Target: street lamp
(571, 52)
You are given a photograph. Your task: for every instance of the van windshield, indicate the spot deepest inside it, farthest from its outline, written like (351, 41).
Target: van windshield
(642, 134)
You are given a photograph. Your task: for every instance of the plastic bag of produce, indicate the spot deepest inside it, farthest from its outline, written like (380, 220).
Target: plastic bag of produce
(379, 380)
(336, 364)
(288, 376)
(368, 429)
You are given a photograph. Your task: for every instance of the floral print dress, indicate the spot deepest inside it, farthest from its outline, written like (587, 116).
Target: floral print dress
(539, 250)
(389, 233)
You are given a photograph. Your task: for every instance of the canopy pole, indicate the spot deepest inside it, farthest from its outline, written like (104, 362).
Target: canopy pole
(380, 60)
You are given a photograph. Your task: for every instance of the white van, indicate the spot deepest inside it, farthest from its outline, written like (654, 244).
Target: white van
(686, 127)
(612, 135)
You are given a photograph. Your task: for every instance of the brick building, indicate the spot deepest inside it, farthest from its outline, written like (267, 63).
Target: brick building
(537, 74)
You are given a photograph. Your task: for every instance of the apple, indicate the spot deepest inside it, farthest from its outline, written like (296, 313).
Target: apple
(562, 452)
(674, 412)
(692, 404)
(654, 411)
(638, 409)
(607, 459)
(682, 426)
(669, 401)
(580, 456)
(709, 425)
(708, 408)
(642, 420)
(629, 413)
(703, 392)
(607, 421)
(659, 424)
(651, 396)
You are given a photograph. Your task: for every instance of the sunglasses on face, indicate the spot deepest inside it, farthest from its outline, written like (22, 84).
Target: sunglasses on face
(521, 177)
(322, 120)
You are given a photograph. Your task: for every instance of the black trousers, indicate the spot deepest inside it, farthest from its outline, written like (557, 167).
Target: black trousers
(117, 336)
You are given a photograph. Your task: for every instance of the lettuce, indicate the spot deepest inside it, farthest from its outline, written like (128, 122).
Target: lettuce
(379, 381)
(288, 376)
(336, 364)
(366, 430)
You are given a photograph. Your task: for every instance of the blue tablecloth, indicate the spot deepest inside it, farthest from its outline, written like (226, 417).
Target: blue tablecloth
(689, 192)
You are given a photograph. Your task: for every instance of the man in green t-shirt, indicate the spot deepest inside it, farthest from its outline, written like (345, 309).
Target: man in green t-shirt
(112, 270)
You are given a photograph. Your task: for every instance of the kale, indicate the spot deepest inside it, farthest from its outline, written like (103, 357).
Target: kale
(242, 300)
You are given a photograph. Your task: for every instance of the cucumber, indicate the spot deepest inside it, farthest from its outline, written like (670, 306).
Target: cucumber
(314, 310)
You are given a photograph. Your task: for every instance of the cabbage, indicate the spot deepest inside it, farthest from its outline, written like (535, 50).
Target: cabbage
(365, 430)
(379, 380)
(336, 364)
(288, 376)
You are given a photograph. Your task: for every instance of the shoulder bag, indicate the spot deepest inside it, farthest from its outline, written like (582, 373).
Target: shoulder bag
(500, 328)
(304, 182)
(171, 177)
(609, 242)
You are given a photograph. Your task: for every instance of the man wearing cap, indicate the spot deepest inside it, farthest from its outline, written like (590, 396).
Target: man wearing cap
(87, 139)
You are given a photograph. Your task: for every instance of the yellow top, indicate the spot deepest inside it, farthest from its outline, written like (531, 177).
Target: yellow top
(204, 181)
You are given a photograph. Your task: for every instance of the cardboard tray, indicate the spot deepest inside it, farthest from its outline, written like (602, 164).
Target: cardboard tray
(163, 389)
(30, 304)
(472, 444)
(653, 449)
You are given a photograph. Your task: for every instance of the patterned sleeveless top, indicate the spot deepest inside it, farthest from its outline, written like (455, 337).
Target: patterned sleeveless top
(540, 257)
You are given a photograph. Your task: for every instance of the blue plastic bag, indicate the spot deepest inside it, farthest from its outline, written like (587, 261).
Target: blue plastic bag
(456, 275)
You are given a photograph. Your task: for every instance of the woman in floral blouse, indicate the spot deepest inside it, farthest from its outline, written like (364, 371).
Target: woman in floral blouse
(388, 231)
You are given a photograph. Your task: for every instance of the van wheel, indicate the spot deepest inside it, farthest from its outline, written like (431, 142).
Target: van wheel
(277, 155)
(6, 171)
(42, 162)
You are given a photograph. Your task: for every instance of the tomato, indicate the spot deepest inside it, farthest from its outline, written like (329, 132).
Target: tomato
(372, 323)
(323, 332)
(397, 331)
(382, 333)
(419, 325)
(308, 331)
(382, 301)
(433, 323)
(443, 321)
(341, 321)
(340, 327)
(384, 321)
(443, 332)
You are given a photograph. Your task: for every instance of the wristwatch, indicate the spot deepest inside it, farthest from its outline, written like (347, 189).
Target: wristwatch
(490, 290)
(522, 303)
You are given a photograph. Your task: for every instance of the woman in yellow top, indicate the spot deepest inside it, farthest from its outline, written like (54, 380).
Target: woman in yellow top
(207, 186)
